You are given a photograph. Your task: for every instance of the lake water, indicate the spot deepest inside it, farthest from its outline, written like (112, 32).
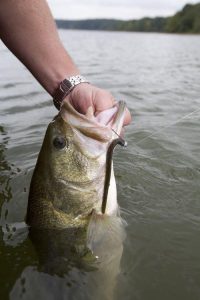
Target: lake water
(158, 174)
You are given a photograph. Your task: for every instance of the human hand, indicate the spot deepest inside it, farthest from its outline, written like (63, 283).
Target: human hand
(85, 95)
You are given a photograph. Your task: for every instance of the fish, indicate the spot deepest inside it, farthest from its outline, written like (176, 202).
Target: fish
(73, 181)
(73, 213)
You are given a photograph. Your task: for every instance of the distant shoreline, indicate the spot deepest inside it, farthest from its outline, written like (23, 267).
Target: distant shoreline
(128, 31)
(186, 21)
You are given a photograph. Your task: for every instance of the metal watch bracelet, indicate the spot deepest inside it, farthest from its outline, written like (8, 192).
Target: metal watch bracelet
(65, 87)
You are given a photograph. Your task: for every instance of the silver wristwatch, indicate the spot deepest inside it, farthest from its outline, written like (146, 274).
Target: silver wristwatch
(65, 87)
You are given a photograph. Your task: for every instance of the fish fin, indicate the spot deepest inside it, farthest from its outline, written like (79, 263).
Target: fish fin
(105, 232)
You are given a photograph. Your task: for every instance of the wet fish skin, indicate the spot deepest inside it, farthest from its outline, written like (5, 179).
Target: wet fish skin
(68, 180)
(59, 178)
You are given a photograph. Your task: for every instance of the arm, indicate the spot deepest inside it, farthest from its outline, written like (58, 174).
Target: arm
(27, 28)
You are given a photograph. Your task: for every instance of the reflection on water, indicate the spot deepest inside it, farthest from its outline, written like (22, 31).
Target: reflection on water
(5, 168)
(12, 232)
(158, 179)
(10, 257)
(68, 269)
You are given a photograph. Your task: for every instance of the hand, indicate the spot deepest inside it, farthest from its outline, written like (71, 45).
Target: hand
(85, 95)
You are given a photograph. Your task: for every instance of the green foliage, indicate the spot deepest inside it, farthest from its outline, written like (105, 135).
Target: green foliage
(185, 21)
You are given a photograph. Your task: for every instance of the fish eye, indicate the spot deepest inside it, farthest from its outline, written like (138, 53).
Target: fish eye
(59, 142)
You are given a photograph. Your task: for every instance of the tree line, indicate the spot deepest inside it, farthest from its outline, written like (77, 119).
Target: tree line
(185, 21)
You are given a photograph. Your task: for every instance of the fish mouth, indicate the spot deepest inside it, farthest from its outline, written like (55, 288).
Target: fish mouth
(103, 128)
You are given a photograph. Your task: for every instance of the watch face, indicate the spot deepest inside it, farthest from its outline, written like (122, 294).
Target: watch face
(66, 85)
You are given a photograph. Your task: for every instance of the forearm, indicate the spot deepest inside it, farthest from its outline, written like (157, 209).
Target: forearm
(28, 30)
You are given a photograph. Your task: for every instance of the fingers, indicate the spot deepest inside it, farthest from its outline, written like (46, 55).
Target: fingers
(85, 95)
(81, 98)
(102, 100)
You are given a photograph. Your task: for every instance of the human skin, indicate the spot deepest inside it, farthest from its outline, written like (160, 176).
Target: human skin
(27, 28)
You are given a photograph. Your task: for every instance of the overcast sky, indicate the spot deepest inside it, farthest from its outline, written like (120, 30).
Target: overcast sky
(120, 9)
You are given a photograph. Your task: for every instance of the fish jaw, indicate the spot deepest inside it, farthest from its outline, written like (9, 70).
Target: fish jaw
(93, 133)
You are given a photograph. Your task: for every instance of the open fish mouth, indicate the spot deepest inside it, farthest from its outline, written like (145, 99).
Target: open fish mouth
(103, 128)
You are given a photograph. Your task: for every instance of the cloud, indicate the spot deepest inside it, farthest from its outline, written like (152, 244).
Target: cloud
(120, 9)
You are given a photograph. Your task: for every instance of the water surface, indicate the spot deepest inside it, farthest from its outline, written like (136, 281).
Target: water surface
(158, 177)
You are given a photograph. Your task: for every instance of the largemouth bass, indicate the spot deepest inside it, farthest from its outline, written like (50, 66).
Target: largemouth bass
(73, 178)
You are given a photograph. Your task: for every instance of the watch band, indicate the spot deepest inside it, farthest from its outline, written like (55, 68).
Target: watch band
(65, 87)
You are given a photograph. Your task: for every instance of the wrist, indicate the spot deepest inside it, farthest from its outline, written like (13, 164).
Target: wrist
(65, 87)
(58, 76)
